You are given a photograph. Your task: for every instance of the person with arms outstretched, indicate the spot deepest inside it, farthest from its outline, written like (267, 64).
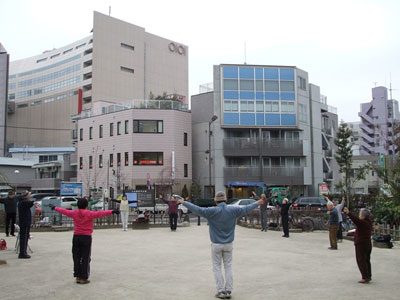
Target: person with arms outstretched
(222, 221)
(82, 240)
(172, 211)
(362, 242)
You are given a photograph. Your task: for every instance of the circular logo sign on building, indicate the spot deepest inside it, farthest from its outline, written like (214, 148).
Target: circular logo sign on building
(177, 48)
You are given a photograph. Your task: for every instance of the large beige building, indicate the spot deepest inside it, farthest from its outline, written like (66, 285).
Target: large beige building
(118, 62)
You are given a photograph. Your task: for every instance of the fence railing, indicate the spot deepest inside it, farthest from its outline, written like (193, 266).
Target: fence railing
(380, 229)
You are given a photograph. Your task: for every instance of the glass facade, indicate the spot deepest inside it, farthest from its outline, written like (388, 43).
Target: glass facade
(262, 96)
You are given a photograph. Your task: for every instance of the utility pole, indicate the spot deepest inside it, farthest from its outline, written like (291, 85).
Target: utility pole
(209, 150)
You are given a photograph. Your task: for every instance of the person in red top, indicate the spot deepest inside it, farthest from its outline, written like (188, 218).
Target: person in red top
(172, 211)
(362, 242)
(82, 240)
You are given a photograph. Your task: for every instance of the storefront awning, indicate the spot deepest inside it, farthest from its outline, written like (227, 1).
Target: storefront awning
(245, 183)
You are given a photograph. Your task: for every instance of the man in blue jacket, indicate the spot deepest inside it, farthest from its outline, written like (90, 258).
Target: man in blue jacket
(222, 221)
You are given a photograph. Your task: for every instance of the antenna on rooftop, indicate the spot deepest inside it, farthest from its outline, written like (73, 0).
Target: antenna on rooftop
(245, 59)
(375, 82)
(109, 10)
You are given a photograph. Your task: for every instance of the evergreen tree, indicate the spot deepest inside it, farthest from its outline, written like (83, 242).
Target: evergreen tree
(185, 192)
(344, 158)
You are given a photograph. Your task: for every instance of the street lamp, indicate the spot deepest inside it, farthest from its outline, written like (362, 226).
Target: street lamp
(16, 172)
(209, 149)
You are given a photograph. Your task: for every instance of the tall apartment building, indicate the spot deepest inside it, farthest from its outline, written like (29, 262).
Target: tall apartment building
(134, 145)
(262, 125)
(377, 119)
(116, 62)
(4, 62)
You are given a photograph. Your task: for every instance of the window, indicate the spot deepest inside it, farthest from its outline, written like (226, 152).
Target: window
(80, 163)
(231, 105)
(111, 129)
(100, 161)
(185, 170)
(147, 126)
(287, 86)
(129, 70)
(231, 84)
(90, 133)
(246, 85)
(260, 106)
(287, 106)
(259, 85)
(302, 83)
(247, 106)
(111, 164)
(118, 159)
(126, 46)
(67, 51)
(271, 85)
(303, 116)
(54, 56)
(90, 162)
(42, 59)
(271, 106)
(81, 134)
(126, 126)
(80, 46)
(126, 159)
(185, 139)
(47, 158)
(118, 128)
(100, 131)
(148, 158)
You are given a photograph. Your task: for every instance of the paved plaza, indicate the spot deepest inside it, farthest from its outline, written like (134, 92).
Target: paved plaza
(159, 264)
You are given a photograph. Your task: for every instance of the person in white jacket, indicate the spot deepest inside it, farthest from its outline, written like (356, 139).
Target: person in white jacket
(124, 211)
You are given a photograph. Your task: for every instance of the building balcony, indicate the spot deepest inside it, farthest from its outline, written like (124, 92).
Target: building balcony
(328, 176)
(251, 147)
(328, 154)
(46, 184)
(367, 138)
(270, 176)
(328, 131)
(366, 128)
(365, 117)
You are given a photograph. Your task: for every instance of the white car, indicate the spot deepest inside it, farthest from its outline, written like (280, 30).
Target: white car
(242, 202)
(66, 201)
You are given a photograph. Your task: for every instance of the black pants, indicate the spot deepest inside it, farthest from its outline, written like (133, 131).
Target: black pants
(23, 239)
(81, 249)
(363, 257)
(340, 232)
(285, 224)
(10, 219)
(173, 218)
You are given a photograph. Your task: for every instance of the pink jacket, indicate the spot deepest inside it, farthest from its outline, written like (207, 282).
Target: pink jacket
(83, 219)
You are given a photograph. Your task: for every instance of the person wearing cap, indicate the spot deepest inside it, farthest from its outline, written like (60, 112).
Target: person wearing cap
(333, 225)
(222, 221)
(82, 240)
(10, 206)
(25, 221)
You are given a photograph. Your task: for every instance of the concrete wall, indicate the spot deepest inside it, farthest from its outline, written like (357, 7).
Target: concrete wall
(175, 123)
(22, 180)
(156, 68)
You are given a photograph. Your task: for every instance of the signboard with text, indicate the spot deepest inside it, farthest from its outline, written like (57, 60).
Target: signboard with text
(71, 189)
(323, 189)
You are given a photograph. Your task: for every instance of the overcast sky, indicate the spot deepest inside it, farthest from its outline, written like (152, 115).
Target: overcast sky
(346, 46)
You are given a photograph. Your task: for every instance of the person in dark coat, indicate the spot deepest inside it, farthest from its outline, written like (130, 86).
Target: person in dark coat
(172, 211)
(362, 242)
(285, 216)
(10, 206)
(263, 210)
(25, 220)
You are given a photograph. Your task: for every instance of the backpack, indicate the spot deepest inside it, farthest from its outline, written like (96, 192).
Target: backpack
(3, 244)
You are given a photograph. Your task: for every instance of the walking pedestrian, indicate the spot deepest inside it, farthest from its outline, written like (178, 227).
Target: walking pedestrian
(362, 242)
(333, 225)
(339, 208)
(25, 221)
(124, 211)
(263, 210)
(285, 216)
(82, 240)
(222, 221)
(172, 211)
(10, 206)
